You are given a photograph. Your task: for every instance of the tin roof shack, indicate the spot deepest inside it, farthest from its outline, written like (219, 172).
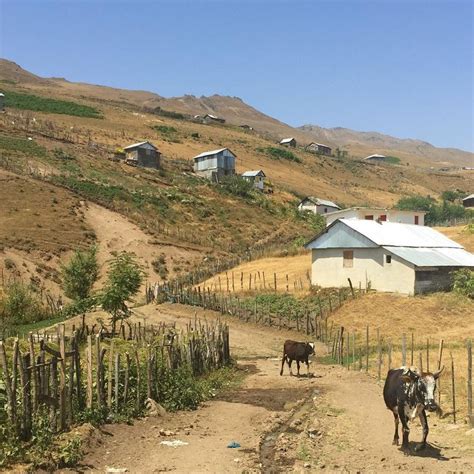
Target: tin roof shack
(2, 101)
(318, 148)
(378, 214)
(385, 256)
(143, 154)
(215, 164)
(257, 178)
(375, 158)
(468, 201)
(288, 142)
(318, 206)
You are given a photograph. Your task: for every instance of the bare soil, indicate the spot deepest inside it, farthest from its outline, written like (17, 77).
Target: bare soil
(334, 420)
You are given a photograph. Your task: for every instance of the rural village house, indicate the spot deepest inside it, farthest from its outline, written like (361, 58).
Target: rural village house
(208, 118)
(143, 154)
(386, 256)
(318, 148)
(288, 142)
(257, 178)
(468, 201)
(215, 164)
(318, 206)
(378, 214)
(2, 101)
(375, 158)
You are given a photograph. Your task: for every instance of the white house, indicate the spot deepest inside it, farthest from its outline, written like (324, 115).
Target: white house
(387, 256)
(318, 206)
(378, 214)
(375, 158)
(256, 177)
(288, 142)
(215, 164)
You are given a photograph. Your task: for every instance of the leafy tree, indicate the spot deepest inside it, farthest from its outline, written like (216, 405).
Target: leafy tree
(450, 196)
(124, 279)
(237, 186)
(78, 278)
(463, 282)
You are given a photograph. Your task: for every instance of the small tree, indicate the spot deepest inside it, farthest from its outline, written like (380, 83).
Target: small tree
(78, 278)
(124, 279)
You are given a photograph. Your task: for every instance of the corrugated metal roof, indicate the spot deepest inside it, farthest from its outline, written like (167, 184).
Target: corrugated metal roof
(135, 145)
(400, 235)
(375, 155)
(287, 140)
(469, 197)
(370, 209)
(212, 152)
(321, 202)
(252, 174)
(434, 257)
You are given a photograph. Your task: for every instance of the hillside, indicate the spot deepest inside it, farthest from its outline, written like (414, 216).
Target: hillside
(237, 112)
(61, 190)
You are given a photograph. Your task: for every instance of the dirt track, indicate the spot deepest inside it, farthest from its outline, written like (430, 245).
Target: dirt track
(335, 420)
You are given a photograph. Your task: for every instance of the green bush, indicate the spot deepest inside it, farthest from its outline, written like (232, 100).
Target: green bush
(394, 160)
(237, 186)
(169, 113)
(165, 129)
(276, 153)
(18, 100)
(463, 282)
(23, 145)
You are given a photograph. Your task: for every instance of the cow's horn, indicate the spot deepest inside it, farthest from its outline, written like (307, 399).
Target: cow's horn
(438, 372)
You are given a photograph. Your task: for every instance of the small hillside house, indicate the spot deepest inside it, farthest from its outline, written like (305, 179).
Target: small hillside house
(143, 154)
(288, 142)
(385, 256)
(209, 118)
(255, 177)
(375, 158)
(215, 164)
(318, 148)
(468, 201)
(378, 214)
(318, 206)
(2, 101)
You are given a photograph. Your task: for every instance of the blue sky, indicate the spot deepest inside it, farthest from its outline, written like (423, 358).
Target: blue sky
(402, 67)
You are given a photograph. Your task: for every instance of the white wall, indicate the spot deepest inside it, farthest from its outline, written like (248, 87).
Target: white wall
(309, 206)
(327, 270)
(393, 215)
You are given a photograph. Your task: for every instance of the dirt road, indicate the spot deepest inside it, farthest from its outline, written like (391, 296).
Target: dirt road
(335, 420)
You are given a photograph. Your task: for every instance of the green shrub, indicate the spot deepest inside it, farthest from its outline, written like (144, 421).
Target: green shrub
(237, 186)
(169, 113)
(23, 145)
(61, 154)
(18, 100)
(165, 129)
(394, 160)
(276, 153)
(463, 282)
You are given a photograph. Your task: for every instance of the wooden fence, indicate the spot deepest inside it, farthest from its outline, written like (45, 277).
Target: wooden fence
(108, 376)
(357, 352)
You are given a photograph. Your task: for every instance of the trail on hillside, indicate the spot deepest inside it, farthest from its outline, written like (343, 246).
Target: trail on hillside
(334, 420)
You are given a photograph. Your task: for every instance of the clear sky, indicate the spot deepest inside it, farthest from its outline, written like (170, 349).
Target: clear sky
(402, 67)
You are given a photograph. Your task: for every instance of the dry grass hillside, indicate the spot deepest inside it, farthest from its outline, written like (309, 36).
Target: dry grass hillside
(51, 162)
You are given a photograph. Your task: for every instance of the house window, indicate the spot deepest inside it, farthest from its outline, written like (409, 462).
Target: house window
(416, 220)
(325, 209)
(383, 218)
(369, 218)
(348, 258)
(388, 259)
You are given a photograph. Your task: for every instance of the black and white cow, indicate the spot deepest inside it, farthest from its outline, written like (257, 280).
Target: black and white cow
(299, 351)
(408, 393)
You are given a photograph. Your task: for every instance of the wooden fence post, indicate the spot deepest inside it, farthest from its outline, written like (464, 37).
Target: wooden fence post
(404, 349)
(453, 387)
(89, 372)
(379, 351)
(367, 348)
(470, 415)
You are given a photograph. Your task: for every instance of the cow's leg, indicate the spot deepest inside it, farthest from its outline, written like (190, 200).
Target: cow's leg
(289, 361)
(307, 367)
(405, 428)
(282, 363)
(424, 425)
(298, 366)
(395, 437)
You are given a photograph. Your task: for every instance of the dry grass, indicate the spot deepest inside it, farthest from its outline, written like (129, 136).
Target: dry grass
(462, 234)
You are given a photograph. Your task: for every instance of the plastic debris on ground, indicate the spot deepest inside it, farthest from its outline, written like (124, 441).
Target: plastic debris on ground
(174, 443)
(233, 444)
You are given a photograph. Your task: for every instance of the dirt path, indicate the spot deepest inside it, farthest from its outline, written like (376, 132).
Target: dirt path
(335, 420)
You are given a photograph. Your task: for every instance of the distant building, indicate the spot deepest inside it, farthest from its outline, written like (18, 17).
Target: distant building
(143, 154)
(208, 118)
(246, 127)
(318, 148)
(255, 177)
(288, 142)
(215, 164)
(375, 158)
(468, 201)
(2, 101)
(386, 256)
(378, 214)
(317, 205)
